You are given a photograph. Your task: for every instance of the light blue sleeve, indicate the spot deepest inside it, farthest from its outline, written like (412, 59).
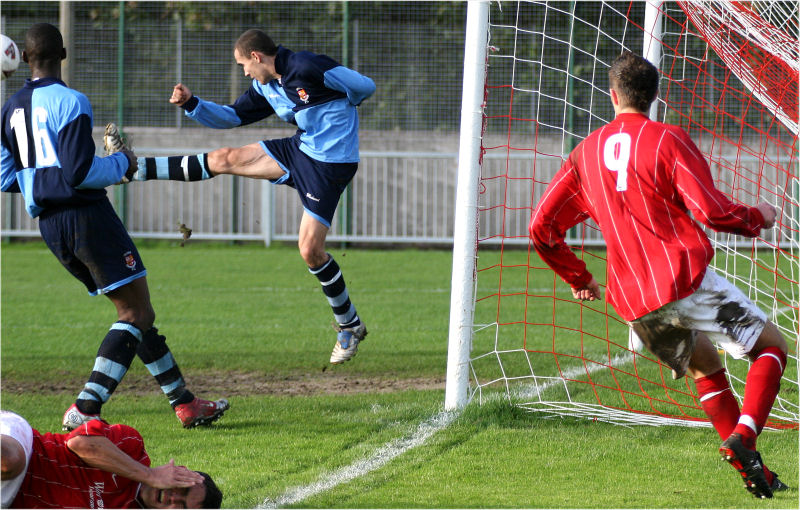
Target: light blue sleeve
(214, 116)
(8, 174)
(357, 86)
(105, 171)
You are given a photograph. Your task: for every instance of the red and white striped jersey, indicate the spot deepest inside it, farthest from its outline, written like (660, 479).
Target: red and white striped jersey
(638, 180)
(57, 478)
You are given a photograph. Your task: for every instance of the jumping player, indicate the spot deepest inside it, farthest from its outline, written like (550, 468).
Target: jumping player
(97, 465)
(320, 97)
(48, 155)
(638, 180)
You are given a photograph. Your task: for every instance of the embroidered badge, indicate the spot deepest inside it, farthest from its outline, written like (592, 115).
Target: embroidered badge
(303, 95)
(130, 261)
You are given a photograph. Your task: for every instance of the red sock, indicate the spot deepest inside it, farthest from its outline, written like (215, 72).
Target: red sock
(760, 390)
(718, 402)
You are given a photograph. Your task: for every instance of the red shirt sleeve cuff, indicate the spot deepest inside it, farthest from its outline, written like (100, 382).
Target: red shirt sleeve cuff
(582, 280)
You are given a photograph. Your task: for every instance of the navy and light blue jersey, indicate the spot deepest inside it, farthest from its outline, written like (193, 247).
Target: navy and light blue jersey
(314, 92)
(48, 153)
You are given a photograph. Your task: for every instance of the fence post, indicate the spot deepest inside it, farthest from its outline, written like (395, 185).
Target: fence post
(345, 213)
(267, 210)
(121, 192)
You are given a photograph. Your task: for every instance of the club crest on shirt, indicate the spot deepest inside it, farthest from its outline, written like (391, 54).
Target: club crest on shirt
(130, 261)
(303, 95)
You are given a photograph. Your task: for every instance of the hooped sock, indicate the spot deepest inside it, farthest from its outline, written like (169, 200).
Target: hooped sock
(335, 290)
(158, 359)
(173, 168)
(113, 360)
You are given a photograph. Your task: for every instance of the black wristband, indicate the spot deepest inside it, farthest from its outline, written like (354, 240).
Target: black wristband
(190, 103)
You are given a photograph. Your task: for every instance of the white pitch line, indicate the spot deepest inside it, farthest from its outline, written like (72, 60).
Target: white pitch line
(535, 389)
(397, 447)
(359, 468)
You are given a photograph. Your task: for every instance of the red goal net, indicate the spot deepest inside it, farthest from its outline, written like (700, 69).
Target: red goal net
(729, 78)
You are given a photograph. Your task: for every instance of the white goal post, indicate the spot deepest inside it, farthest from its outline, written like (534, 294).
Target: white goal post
(515, 332)
(466, 212)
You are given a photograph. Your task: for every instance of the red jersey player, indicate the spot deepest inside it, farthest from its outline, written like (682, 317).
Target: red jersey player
(638, 180)
(97, 465)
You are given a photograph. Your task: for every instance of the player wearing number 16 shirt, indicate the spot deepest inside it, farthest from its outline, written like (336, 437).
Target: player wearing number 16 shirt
(639, 180)
(48, 155)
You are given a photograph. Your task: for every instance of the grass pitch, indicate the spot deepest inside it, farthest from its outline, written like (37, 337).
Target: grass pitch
(251, 324)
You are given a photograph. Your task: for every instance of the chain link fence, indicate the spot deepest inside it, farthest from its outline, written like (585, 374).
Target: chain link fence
(127, 56)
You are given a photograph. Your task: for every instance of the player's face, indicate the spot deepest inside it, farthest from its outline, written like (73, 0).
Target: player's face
(253, 67)
(191, 497)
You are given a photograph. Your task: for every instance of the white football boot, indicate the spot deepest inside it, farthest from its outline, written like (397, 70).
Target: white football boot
(74, 418)
(347, 341)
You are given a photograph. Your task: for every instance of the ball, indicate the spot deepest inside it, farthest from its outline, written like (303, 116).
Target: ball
(11, 56)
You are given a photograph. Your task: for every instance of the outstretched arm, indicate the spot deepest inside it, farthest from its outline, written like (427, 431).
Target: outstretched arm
(99, 452)
(249, 107)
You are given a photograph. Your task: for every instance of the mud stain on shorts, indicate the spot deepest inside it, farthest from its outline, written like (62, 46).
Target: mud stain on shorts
(672, 344)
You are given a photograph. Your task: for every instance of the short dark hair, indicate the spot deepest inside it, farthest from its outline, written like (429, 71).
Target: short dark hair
(213, 497)
(256, 40)
(635, 79)
(44, 44)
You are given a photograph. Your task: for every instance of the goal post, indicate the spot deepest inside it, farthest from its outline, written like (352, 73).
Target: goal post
(466, 211)
(535, 81)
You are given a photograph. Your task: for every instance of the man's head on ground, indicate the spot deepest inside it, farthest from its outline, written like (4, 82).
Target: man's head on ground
(201, 495)
(44, 49)
(633, 82)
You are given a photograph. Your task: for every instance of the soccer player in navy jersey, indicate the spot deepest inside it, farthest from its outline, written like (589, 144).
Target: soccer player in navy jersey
(319, 96)
(97, 465)
(638, 180)
(48, 155)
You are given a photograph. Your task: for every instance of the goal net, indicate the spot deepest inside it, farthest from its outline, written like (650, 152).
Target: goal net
(729, 76)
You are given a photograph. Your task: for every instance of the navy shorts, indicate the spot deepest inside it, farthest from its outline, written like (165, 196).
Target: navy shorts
(318, 183)
(92, 243)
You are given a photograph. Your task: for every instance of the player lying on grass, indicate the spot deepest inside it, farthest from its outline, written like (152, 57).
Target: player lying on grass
(638, 180)
(48, 155)
(319, 96)
(97, 465)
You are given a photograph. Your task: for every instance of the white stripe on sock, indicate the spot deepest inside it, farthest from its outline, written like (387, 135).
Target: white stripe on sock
(750, 422)
(780, 364)
(185, 167)
(712, 395)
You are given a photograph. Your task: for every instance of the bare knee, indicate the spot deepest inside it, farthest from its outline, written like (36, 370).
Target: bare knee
(770, 337)
(313, 254)
(705, 358)
(143, 317)
(221, 161)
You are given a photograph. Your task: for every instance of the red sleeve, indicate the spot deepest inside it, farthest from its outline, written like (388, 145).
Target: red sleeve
(562, 206)
(124, 437)
(694, 184)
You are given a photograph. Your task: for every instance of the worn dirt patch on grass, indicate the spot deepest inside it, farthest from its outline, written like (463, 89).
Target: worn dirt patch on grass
(224, 384)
